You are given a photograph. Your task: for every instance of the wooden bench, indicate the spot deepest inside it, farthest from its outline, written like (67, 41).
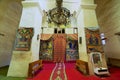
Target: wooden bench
(82, 66)
(34, 67)
(113, 62)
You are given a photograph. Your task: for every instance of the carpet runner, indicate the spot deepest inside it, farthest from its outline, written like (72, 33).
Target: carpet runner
(58, 72)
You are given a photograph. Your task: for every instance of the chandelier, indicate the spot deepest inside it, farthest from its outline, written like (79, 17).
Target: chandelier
(59, 15)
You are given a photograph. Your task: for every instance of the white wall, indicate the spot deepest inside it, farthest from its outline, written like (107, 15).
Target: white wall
(48, 30)
(81, 33)
(69, 30)
(109, 21)
(31, 17)
(86, 18)
(90, 19)
(112, 46)
(87, 1)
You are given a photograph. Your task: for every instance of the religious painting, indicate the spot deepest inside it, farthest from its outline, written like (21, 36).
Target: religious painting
(95, 49)
(92, 37)
(93, 40)
(46, 49)
(23, 39)
(71, 49)
(96, 58)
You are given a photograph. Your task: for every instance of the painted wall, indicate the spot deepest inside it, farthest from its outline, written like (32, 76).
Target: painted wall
(10, 13)
(109, 21)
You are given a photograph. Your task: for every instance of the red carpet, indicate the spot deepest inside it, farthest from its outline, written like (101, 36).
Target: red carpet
(58, 72)
(73, 74)
(44, 74)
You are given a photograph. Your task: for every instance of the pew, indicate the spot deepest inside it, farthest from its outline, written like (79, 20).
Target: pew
(82, 66)
(34, 67)
(113, 62)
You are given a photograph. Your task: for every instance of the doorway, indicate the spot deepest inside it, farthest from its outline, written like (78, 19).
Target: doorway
(59, 48)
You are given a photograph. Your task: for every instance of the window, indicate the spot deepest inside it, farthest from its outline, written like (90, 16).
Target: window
(56, 30)
(75, 30)
(63, 30)
(103, 38)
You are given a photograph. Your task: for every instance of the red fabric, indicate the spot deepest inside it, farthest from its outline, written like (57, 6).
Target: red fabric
(46, 36)
(59, 47)
(73, 36)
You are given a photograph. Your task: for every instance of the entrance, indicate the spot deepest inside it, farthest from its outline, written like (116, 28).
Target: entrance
(59, 47)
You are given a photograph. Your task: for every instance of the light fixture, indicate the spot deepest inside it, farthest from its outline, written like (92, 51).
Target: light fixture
(59, 15)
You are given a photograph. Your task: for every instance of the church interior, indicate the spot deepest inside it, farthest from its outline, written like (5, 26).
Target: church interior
(59, 40)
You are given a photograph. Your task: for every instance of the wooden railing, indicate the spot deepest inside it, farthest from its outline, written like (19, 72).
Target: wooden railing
(34, 67)
(82, 66)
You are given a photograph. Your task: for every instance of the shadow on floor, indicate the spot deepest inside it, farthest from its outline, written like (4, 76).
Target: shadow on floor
(3, 74)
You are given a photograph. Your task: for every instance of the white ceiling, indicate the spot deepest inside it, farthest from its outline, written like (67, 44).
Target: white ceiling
(72, 5)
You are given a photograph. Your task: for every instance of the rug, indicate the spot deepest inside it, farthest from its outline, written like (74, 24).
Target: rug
(58, 72)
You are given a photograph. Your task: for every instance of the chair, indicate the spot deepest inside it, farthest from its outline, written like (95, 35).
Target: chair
(97, 63)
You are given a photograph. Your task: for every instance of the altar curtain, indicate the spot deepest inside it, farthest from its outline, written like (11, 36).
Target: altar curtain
(73, 36)
(59, 47)
(46, 36)
(59, 35)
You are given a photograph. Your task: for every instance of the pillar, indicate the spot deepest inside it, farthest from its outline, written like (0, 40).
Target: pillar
(31, 18)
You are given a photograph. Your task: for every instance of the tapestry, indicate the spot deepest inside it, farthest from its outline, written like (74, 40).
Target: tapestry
(93, 40)
(71, 49)
(23, 39)
(46, 49)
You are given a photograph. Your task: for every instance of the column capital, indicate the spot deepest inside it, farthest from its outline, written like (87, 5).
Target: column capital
(32, 4)
(88, 6)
